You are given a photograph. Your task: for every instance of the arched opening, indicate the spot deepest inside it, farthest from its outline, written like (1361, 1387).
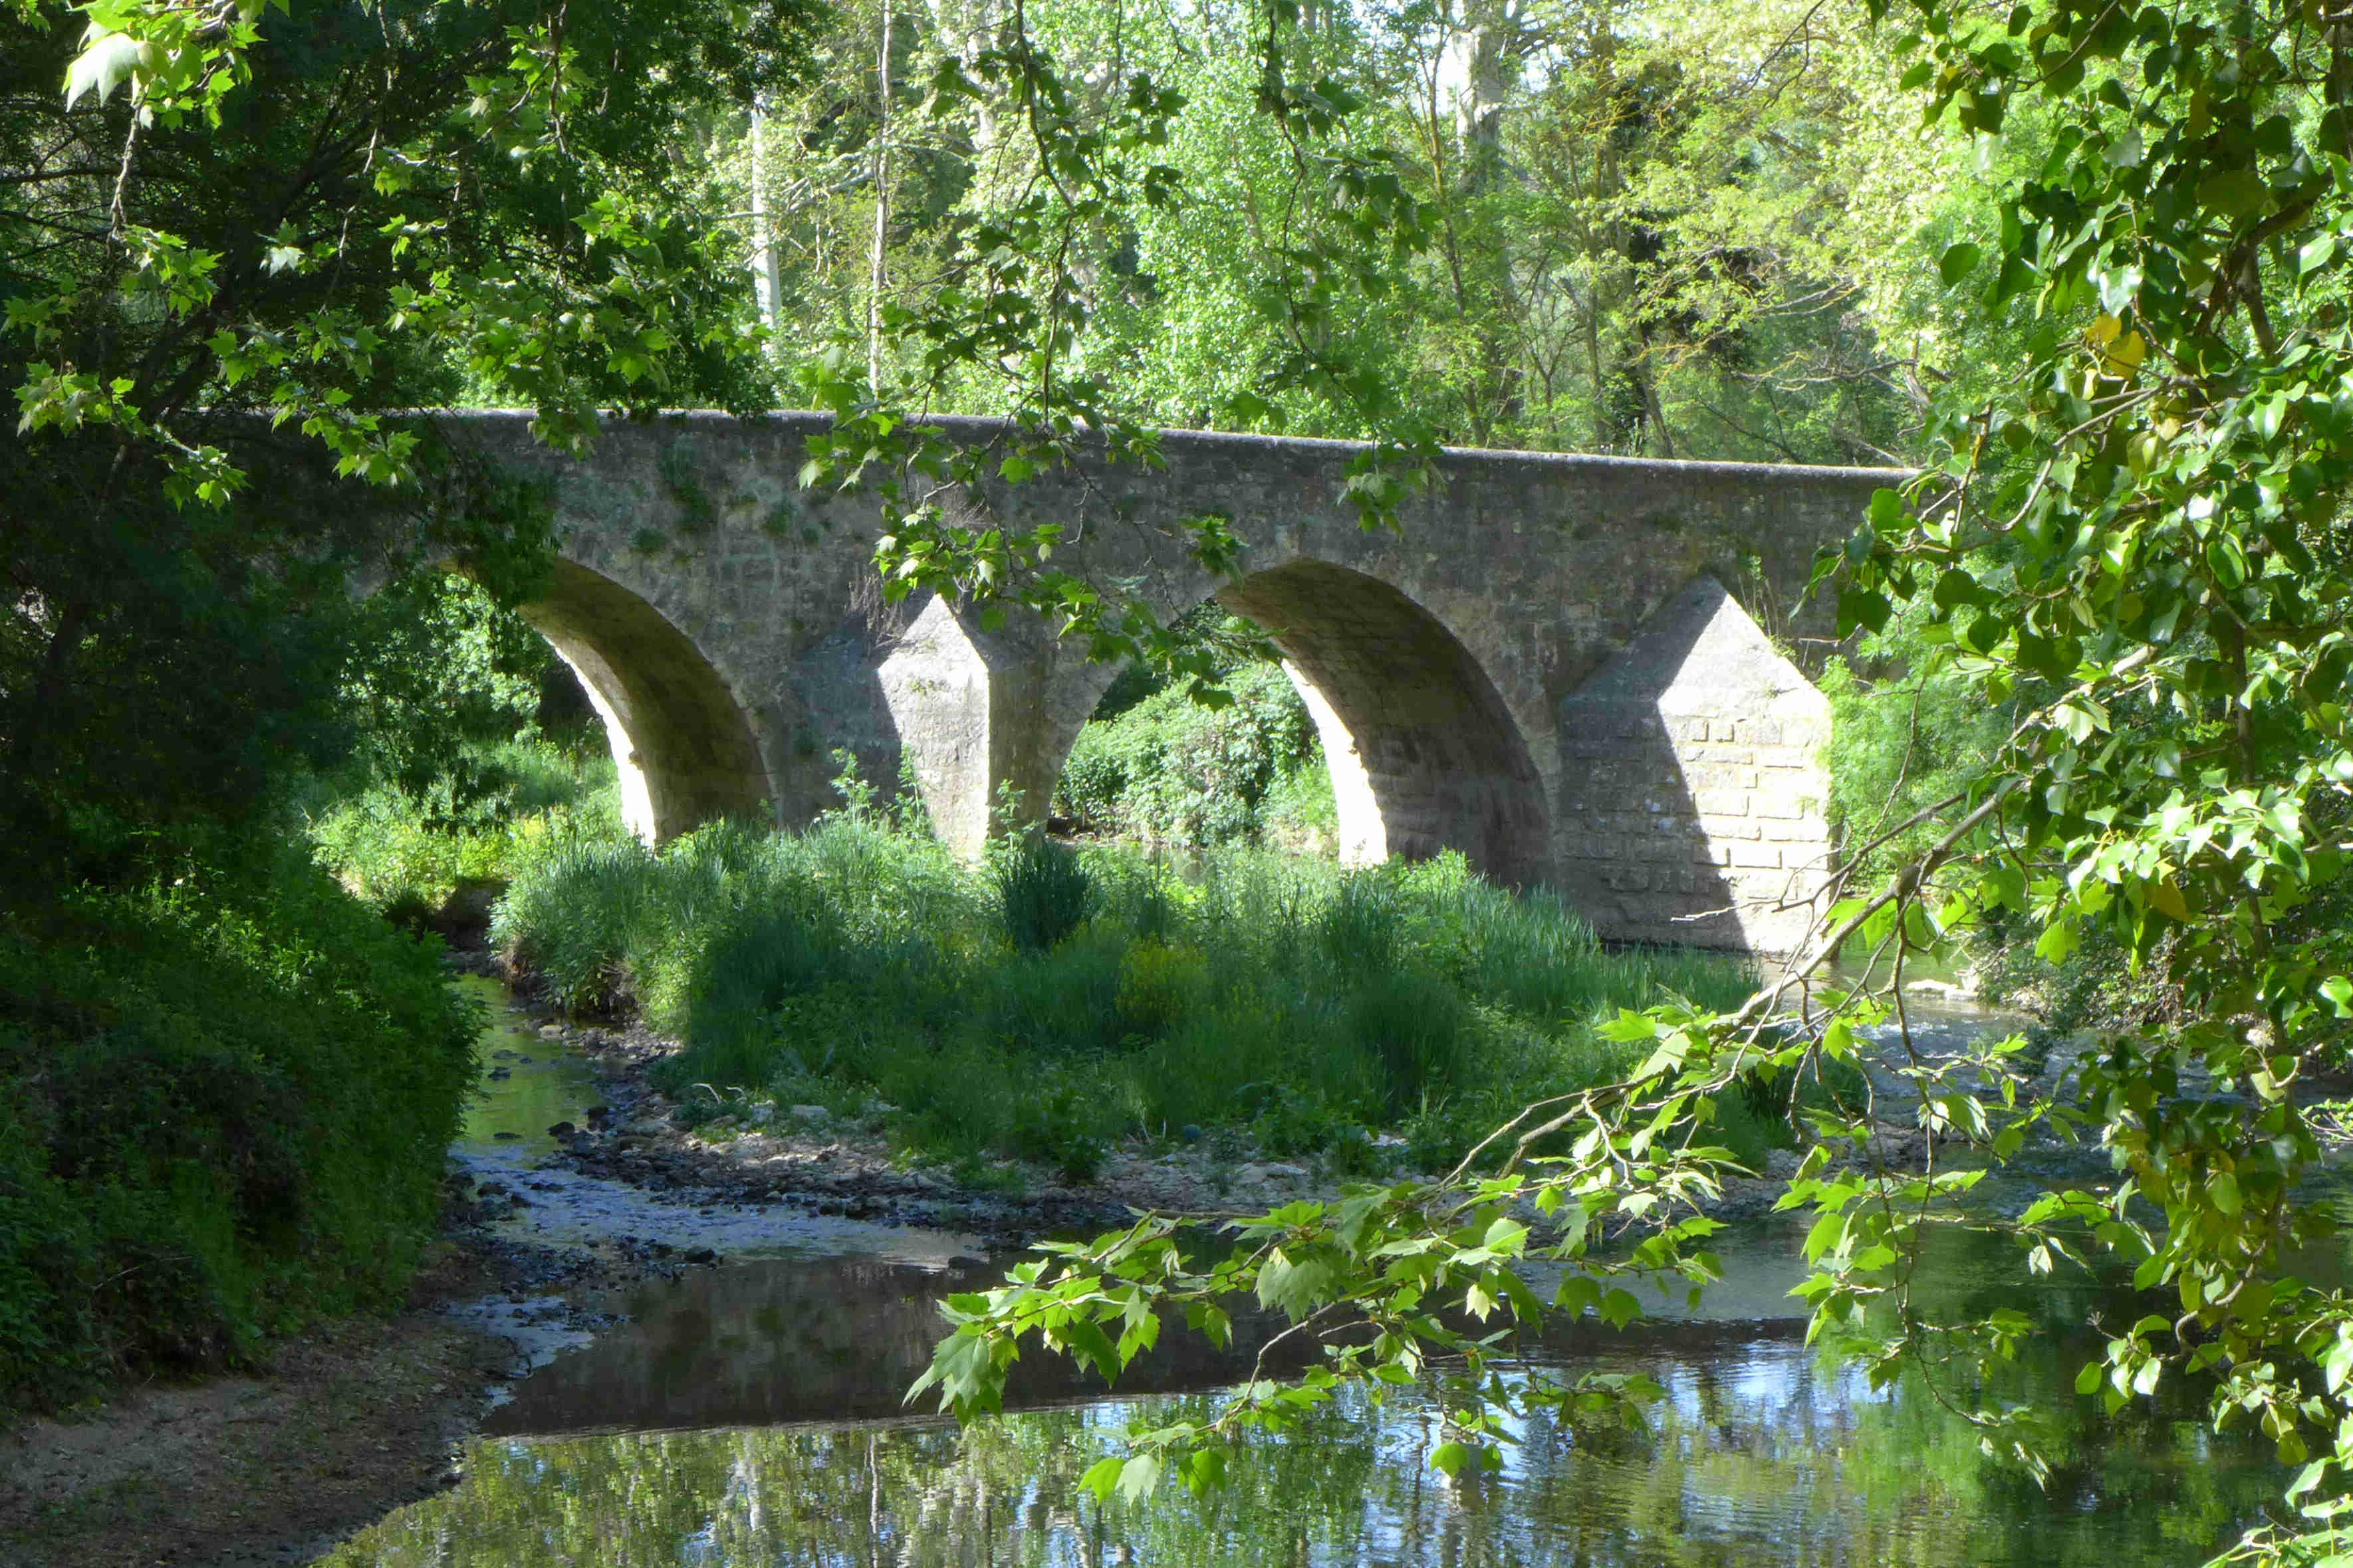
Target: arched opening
(685, 753)
(1424, 754)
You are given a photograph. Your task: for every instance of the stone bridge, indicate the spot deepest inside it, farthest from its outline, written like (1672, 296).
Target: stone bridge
(1552, 666)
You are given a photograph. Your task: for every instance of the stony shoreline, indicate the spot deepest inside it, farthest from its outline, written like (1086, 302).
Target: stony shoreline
(807, 1160)
(274, 1464)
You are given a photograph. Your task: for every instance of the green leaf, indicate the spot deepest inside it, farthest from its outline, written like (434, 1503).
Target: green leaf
(2339, 990)
(1138, 1477)
(1293, 1289)
(1102, 1478)
(1862, 607)
(2235, 192)
(2223, 1188)
(105, 60)
(1957, 262)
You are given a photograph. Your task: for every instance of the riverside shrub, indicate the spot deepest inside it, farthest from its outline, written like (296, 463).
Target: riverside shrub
(394, 849)
(223, 1108)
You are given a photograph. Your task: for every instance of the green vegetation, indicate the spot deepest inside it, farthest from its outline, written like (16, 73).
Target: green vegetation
(474, 746)
(1756, 1470)
(1166, 769)
(394, 856)
(223, 1108)
(239, 248)
(2083, 263)
(1054, 1001)
(2107, 275)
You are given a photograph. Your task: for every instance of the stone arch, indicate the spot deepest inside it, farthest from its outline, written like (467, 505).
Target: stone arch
(684, 747)
(1424, 753)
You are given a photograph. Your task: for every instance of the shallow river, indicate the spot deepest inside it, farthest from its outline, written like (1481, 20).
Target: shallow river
(751, 1415)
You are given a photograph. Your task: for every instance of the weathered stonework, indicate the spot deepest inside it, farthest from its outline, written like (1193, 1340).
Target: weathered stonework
(1692, 790)
(1539, 668)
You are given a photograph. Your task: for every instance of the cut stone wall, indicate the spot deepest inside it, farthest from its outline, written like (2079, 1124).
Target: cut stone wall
(1692, 784)
(1499, 675)
(1429, 752)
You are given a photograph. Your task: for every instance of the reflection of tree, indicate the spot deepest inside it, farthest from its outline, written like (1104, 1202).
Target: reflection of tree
(1767, 1453)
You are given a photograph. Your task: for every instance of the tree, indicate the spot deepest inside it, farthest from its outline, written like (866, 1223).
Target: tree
(237, 248)
(239, 252)
(2138, 545)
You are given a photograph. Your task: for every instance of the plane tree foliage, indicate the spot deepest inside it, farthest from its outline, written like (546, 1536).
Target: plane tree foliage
(1655, 229)
(240, 251)
(2084, 261)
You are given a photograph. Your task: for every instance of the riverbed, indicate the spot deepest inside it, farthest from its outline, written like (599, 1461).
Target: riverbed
(750, 1411)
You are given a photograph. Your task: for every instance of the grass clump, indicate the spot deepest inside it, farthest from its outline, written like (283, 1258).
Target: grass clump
(1043, 894)
(224, 1106)
(1052, 1003)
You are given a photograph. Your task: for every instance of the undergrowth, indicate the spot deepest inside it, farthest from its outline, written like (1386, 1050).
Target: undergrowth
(391, 850)
(224, 1106)
(1168, 769)
(1052, 1002)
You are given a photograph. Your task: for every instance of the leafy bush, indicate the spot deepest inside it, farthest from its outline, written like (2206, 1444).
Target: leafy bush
(223, 1111)
(1055, 1129)
(1899, 742)
(1300, 813)
(393, 848)
(1168, 770)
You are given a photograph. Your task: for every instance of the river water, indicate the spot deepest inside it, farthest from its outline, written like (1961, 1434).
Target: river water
(751, 1414)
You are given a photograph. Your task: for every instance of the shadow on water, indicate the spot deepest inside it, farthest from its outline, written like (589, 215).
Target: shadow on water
(800, 1341)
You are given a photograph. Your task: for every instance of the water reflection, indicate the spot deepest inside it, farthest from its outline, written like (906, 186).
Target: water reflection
(1766, 1454)
(752, 1416)
(524, 1084)
(771, 1342)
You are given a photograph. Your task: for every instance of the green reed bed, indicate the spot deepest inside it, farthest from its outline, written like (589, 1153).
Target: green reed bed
(1051, 1001)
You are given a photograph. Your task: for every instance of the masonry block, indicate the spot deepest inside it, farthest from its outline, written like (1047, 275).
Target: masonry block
(1721, 802)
